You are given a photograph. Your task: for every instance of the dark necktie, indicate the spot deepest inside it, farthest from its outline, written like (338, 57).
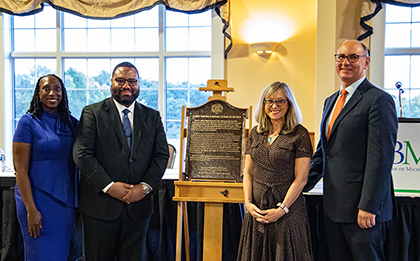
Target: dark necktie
(127, 126)
(338, 107)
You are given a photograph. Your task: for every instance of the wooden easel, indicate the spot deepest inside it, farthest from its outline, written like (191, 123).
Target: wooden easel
(213, 193)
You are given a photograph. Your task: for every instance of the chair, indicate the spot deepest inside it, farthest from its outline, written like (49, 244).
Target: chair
(172, 156)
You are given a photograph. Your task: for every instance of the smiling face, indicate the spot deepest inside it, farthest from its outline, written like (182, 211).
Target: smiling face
(274, 111)
(351, 72)
(50, 93)
(125, 94)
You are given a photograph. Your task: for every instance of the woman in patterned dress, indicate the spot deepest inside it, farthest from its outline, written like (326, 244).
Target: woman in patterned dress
(278, 154)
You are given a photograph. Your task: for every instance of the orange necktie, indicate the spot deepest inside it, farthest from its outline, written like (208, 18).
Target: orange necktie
(338, 107)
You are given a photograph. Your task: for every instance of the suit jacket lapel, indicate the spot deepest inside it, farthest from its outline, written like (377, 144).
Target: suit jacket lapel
(138, 126)
(328, 110)
(354, 100)
(115, 121)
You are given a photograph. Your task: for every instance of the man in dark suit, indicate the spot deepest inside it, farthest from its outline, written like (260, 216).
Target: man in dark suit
(122, 156)
(355, 156)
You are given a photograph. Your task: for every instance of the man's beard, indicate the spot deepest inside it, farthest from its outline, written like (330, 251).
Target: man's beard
(124, 99)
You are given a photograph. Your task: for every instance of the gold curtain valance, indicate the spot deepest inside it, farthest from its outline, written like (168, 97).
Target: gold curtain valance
(109, 9)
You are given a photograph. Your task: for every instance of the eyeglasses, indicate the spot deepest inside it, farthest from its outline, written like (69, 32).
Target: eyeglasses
(279, 102)
(353, 58)
(121, 81)
(49, 89)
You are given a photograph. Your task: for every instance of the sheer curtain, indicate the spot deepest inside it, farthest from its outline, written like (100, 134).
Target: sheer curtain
(109, 9)
(372, 7)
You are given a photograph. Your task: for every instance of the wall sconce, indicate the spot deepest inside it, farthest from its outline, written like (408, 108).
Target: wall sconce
(264, 49)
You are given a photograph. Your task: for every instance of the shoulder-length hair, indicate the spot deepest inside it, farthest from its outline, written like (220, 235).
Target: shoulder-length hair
(293, 116)
(63, 108)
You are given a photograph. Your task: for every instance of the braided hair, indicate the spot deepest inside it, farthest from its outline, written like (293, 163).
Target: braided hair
(63, 108)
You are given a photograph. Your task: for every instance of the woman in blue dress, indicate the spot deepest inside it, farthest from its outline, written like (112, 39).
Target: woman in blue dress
(46, 177)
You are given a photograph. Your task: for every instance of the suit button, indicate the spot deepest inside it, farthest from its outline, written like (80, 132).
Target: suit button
(131, 160)
(328, 157)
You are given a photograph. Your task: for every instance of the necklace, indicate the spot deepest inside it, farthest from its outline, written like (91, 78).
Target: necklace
(269, 138)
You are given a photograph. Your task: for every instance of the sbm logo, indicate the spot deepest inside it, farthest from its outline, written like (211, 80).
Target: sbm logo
(401, 157)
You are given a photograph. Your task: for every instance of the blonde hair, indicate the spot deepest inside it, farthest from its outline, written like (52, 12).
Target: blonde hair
(293, 116)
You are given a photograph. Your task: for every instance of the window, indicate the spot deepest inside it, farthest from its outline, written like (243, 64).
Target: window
(402, 57)
(173, 52)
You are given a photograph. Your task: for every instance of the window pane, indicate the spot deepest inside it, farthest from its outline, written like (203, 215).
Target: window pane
(184, 77)
(397, 68)
(397, 35)
(397, 14)
(149, 98)
(77, 100)
(24, 21)
(199, 71)
(22, 101)
(176, 39)
(99, 40)
(149, 83)
(176, 72)
(149, 18)
(45, 66)
(75, 40)
(414, 105)
(416, 14)
(200, 39)
(25, 73)
(415, 69)
(99, 74)
(175, 99)
(74, 21)
(46, 18)
(45, 40)
(415, 35)
(200, 19)
(148, 69)
(24, 40)
(75, 73)
(147, 39)
(176, 19)
(122, 40)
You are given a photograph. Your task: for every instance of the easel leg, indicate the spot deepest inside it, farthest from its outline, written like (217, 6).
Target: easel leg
(182, 219)
(213, 231)
(186, 232)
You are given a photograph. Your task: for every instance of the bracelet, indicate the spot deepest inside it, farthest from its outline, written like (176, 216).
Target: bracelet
(280, 204)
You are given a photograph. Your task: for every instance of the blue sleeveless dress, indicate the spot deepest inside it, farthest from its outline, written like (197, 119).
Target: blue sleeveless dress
(53, 178)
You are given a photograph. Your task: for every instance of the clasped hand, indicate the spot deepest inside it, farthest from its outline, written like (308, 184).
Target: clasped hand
(264, 216)
(126, 192)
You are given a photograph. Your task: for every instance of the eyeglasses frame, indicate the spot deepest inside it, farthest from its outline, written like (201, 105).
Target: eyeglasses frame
(267, 102)
(356, 56)
(126, 80)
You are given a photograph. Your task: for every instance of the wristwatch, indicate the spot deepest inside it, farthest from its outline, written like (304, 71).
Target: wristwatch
(146, 188)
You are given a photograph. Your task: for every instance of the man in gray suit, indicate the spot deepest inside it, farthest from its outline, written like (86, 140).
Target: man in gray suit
(355, 156)
(121, 151)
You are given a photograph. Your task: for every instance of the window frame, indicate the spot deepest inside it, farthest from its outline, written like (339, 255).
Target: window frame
(379, 52)
(216, 55)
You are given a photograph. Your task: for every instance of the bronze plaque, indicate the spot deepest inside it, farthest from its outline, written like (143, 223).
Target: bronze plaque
(215, 140)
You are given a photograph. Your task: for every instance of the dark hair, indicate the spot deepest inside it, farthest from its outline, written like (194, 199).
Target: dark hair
(365, 48)
(63, 108)
(124, 64)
